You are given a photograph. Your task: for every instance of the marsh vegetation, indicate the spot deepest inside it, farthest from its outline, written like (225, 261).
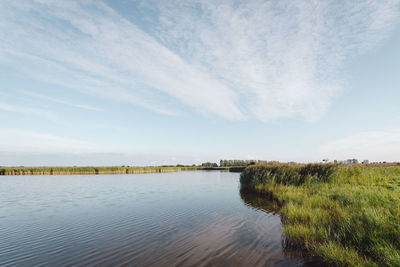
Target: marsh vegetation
(347, 215)
(105, 170)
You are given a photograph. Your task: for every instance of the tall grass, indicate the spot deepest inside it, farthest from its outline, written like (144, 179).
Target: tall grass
(99, 170)
(348, 215)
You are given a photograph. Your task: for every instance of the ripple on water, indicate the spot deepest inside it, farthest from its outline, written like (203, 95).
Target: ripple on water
(186, 218)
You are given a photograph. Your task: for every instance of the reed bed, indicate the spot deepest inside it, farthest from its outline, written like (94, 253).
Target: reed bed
(101, 170)
(347, 215)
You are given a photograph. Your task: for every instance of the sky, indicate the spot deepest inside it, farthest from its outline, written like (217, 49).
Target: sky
(148, 82)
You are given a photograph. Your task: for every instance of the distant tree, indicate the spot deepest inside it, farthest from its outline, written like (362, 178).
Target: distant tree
(209, 164)
(237, 162)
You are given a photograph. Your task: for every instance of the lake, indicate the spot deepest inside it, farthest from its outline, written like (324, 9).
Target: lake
(193, 218)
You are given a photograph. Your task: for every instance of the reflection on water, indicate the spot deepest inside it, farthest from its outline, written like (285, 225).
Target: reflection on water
(260, 202)
(186, 218)
(266, 204)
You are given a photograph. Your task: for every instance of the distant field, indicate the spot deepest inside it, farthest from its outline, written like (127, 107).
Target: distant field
(101, 170)
(347, 215)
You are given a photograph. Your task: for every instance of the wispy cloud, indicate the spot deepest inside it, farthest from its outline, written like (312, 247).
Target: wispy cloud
(236, 59)
(14, 140)
(90, 47)
(27, 110)
(372, 145)
(61, 101)
(34, 148)
(281, 57)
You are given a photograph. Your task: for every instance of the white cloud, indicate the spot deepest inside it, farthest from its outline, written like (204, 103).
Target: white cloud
(236, 59)
(30, 141)
(26, 110)
(32, 148)
(280, 56)
(61, 101)
(90, 47)
(373, 145)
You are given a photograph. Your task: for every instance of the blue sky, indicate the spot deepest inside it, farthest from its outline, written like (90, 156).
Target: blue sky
(167, 82)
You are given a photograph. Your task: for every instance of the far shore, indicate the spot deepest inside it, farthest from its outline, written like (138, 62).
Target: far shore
(108, 170)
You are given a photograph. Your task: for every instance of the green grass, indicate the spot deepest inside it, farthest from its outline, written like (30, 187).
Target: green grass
(347, 215)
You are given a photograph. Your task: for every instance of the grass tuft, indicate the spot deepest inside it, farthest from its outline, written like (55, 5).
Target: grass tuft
(348, 215)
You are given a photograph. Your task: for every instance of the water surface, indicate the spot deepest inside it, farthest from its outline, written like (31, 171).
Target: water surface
(186, 218)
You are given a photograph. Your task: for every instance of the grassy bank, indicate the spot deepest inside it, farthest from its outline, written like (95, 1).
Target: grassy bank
(347, 215)
(100, 170)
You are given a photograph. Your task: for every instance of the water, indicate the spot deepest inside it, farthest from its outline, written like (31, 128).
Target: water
(186, 218)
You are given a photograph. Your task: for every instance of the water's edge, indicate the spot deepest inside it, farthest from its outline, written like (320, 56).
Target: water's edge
(105, 170)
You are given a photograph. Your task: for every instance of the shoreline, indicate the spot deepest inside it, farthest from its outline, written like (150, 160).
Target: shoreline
(106, 170)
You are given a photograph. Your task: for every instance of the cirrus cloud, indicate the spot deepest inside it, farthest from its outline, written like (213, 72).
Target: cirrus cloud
(236, 59)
